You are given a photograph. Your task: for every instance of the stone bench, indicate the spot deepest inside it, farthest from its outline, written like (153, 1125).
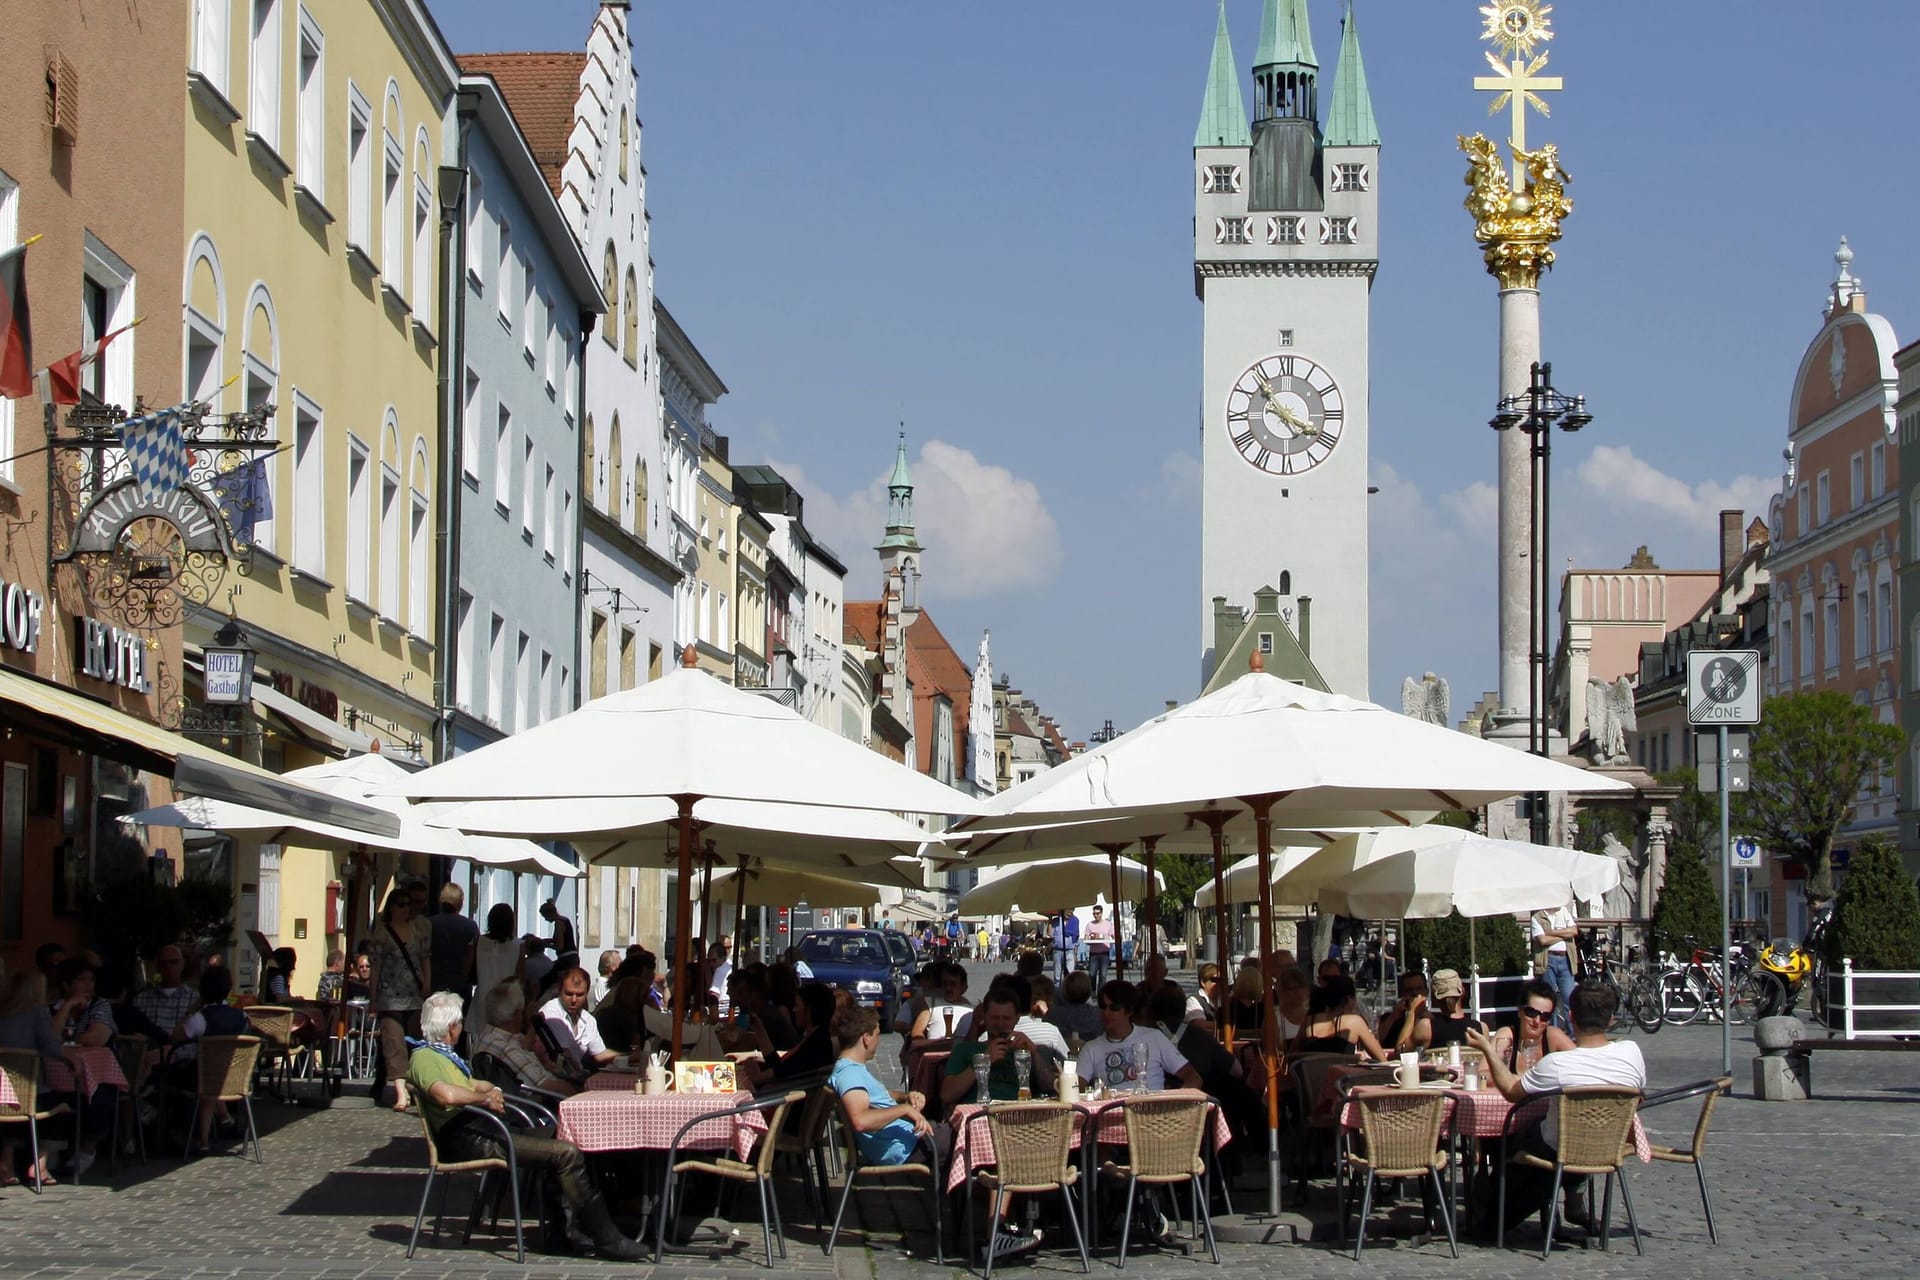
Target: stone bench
(1784, 1070)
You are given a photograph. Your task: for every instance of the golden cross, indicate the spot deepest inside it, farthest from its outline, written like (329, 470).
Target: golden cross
(1516, 85)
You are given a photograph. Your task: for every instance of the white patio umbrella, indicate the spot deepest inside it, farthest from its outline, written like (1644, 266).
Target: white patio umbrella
(1241, 880)
(1434, 871)
(358, 778)
(1281, 749)
(685, 737)
(783, 886)
(1059, 882)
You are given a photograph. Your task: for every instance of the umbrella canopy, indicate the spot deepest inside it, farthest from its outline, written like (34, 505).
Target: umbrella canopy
(358, 778)
(1242, 879)
(1313, 753)
(1062, 881)
(782, 887)
(1028, 917)
(1438, 870)
(685, 734)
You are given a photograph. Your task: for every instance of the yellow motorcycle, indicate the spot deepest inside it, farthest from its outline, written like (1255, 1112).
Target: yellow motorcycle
(1784, 968)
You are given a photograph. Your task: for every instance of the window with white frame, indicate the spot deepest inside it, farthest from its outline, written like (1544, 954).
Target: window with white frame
(419, 553)
(422, 250)
(503, 458)
(359, 169)
(464, 656)
(477, 223)
(1883, 610)
(206, 341)
(566, 532)
(572, 374)
(107, 306)
(1857, 480)
(1809, 663)
(1783, 652)
(310, 148)
(497, 671)
(551, 348)
(1339, 230)
(1350, 177)
(470, 427)
(263, 73)
(391, 517)
(1283, 231)
(722, 623)
(529, 309)
(309, 489)
(1877, 465)
(359, 520)
(1822, 499)
(547, 518)
(1231, 230)
(393, 214)
(1800, 511)
(1862, 616)
(522, 678)
(528, 476)
(254, 513)
(566, 691)
(1830, 630)
(9, 237)
(504, 280)
(1222, 179)
(210, 49)
(705, 616)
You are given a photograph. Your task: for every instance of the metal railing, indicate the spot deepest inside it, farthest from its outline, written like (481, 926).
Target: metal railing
(1850, 982)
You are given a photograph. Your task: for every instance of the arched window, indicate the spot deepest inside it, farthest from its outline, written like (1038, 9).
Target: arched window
(626, 143)
(1862, 617)
(391, 517)
(419, 543)
(248, 498)
(616, 496)
(589, 478)
(633, 320)
(640, 497)
(206, 316)
(1286, 582)
(610, 286)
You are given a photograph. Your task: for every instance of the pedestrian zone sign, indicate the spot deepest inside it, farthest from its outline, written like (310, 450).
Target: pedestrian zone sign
(1723, 687)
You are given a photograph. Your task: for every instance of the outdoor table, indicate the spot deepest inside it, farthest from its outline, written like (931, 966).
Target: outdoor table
(96, 1065)
(612, 1082)
(610, 1120)
(8, 1098)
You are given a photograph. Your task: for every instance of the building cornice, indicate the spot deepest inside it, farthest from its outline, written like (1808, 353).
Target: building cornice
(1292, 268)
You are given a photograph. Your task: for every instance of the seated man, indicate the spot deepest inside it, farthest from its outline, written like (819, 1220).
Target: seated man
(885, 1131)
(809, 1056)
(505, 1036)
(1110, 1059)
(573, 1028)
(169, 1000)
(1032, 1024)
(1409, 1024)
(1074, 1014)
(1594, 1059)
(442, 1082)
(993, 1051)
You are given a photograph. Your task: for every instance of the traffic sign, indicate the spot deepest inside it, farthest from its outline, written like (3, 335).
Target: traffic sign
(1723, 686)
(1739, 777)
(1706, 747)
(1746, 852)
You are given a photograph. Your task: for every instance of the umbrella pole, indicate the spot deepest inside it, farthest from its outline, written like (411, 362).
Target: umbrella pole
(1113, 900)
(1270, 1025)
(1215, 821)
(683, 921)
(706, 898)
(1153, 901)
(739, 907)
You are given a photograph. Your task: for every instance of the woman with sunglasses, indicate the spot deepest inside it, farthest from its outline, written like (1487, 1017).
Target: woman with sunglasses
(1534, 1035)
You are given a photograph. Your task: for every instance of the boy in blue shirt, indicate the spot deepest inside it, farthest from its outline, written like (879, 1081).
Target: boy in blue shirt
(886, 1131)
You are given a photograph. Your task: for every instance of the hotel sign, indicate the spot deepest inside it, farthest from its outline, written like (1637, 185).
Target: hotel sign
(113, 654)
(20, 611)
(196, 518)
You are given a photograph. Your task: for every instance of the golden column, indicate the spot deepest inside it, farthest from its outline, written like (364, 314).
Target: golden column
(1517, 219)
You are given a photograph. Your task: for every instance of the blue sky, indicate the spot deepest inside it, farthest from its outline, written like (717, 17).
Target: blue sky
(976, 217)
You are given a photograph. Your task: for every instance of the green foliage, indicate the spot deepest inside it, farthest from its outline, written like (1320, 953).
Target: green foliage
(1813, 753)
(1183, 874)
(1689, 902)
(1876, 920)
(1444, 944)
(1592, 826)
(1461, 819)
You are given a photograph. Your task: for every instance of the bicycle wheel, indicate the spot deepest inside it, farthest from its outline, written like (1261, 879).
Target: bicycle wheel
(1749, 996)
(1680, 1002)
(1773, 995)
(1643, 1000)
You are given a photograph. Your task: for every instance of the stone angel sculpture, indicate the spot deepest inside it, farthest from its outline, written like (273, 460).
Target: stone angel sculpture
(1610, 718)
(1427, 699)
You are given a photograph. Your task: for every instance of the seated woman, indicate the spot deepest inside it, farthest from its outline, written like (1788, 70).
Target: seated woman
(1203, 1006)
(620, 1015)
(1533, 1035)
(1450, 1022)
(811, 1055)
(1334, 1026)
(1248, 1001)
(215, 1017)
(276, 984)
(25, 1023)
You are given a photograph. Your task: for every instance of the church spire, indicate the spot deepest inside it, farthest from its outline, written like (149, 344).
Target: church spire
(900, 500)
(1223, 113)
(1350, 121)
(1285, 69)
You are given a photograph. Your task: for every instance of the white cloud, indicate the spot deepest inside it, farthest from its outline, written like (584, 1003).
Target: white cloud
(1476, 507)
(1614, 474)
(1180, 479)
(986, 530)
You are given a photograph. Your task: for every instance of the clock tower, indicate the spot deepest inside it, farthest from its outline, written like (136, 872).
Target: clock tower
(1286, 242)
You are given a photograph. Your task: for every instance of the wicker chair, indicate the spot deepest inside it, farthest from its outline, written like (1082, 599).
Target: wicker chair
(1709, 1093)
(131, 1050)
(1164, 1137)
(485, 1166)
(22, 1069)
(1400, 1131)
(226, 1066)
(1032, 1153)
(808, 1144)
(858, 1171)
(1595, 1139)
(273, 1023)
(757, 1172)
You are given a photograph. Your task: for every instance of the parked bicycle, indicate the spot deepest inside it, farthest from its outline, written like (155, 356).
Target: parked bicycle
(1693, 988)
(1636, 991)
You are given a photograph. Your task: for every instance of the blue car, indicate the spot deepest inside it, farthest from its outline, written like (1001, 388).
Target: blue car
(873, 965)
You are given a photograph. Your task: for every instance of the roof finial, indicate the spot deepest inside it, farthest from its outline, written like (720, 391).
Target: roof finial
(1845, 283)
(689, 657)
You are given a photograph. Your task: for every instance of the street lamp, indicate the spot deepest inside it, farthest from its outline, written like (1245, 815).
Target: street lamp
(227, 667)
(1538, 411)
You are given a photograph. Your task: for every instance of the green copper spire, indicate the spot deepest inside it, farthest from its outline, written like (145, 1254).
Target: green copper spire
(1223, 114)
(1350, 120)
(1286, 38)
(900, 503)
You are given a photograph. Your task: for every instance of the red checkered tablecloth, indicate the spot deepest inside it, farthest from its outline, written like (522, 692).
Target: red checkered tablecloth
(97, 1066)
(611, 1121)
(1110, 1114)
(1483, 1114)
(613, 1082)
(8, 1098)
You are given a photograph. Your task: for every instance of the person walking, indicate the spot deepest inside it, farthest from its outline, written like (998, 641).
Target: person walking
(1066, 942)
(1099, 946)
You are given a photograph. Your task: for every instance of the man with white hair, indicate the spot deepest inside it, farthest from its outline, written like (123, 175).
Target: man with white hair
(505, 1038)
(445, 1087)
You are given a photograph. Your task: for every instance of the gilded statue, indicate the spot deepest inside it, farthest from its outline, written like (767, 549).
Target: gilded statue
(1518, 227)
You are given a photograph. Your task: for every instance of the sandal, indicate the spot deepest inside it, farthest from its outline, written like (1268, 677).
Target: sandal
(8, 1180)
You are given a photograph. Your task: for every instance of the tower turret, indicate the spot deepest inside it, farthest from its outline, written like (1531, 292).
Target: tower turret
(900, 549)
(1286, 111)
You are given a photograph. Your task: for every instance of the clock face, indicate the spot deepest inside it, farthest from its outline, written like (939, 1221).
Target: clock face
(1285, 414)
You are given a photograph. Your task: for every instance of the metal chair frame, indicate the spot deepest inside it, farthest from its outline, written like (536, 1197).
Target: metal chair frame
(484, 1167)
(759, 1170)
(1141, 1169)
(246, 1048)
(1001, 1119)
(1613, 1167)
(1382, 1161)
(1710, 1092)
(856, 1166)
(24, 1066)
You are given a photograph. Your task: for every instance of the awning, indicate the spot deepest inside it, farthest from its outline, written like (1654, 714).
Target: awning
(310, 723)
(86, 724)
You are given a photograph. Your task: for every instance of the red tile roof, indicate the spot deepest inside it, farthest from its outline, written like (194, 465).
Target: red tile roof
(860, 623)
(541, 90)
(933, 668)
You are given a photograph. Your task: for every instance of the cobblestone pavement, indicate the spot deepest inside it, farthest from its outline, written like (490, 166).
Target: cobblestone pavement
(1824, 1188)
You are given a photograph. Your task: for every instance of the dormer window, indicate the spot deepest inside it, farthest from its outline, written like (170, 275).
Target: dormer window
(1283, 231)
(1351, 177)
(1222, 179)
(1232, 230)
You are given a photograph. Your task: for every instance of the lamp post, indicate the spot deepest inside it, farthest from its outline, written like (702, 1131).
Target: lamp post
(1538, 411)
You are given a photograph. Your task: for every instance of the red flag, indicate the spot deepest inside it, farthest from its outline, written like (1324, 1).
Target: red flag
(63, 376)
(16, 327)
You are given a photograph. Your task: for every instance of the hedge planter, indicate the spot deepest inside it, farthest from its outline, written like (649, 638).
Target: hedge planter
(1872, 1003)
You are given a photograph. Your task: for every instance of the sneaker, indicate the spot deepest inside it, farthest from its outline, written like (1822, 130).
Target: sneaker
(1014, 1244)
(83, 1161)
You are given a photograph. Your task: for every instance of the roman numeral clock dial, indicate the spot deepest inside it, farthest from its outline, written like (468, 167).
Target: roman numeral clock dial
(1285, 414)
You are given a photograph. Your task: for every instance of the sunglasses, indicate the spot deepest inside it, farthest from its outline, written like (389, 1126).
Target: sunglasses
(1538, 1015)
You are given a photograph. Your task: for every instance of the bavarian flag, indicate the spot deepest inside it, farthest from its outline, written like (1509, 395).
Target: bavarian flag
(16, 328)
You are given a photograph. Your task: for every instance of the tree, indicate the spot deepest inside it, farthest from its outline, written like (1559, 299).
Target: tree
(1814, 755)
(1876, 919)
(1183, 874)
(1689, 901)
(1443, 943)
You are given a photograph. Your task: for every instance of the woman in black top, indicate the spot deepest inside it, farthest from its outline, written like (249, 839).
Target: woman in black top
(1449, 1021)
(1332, 1026)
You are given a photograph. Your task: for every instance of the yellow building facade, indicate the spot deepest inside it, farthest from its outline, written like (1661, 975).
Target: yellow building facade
(311, 280)
(716, 585)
